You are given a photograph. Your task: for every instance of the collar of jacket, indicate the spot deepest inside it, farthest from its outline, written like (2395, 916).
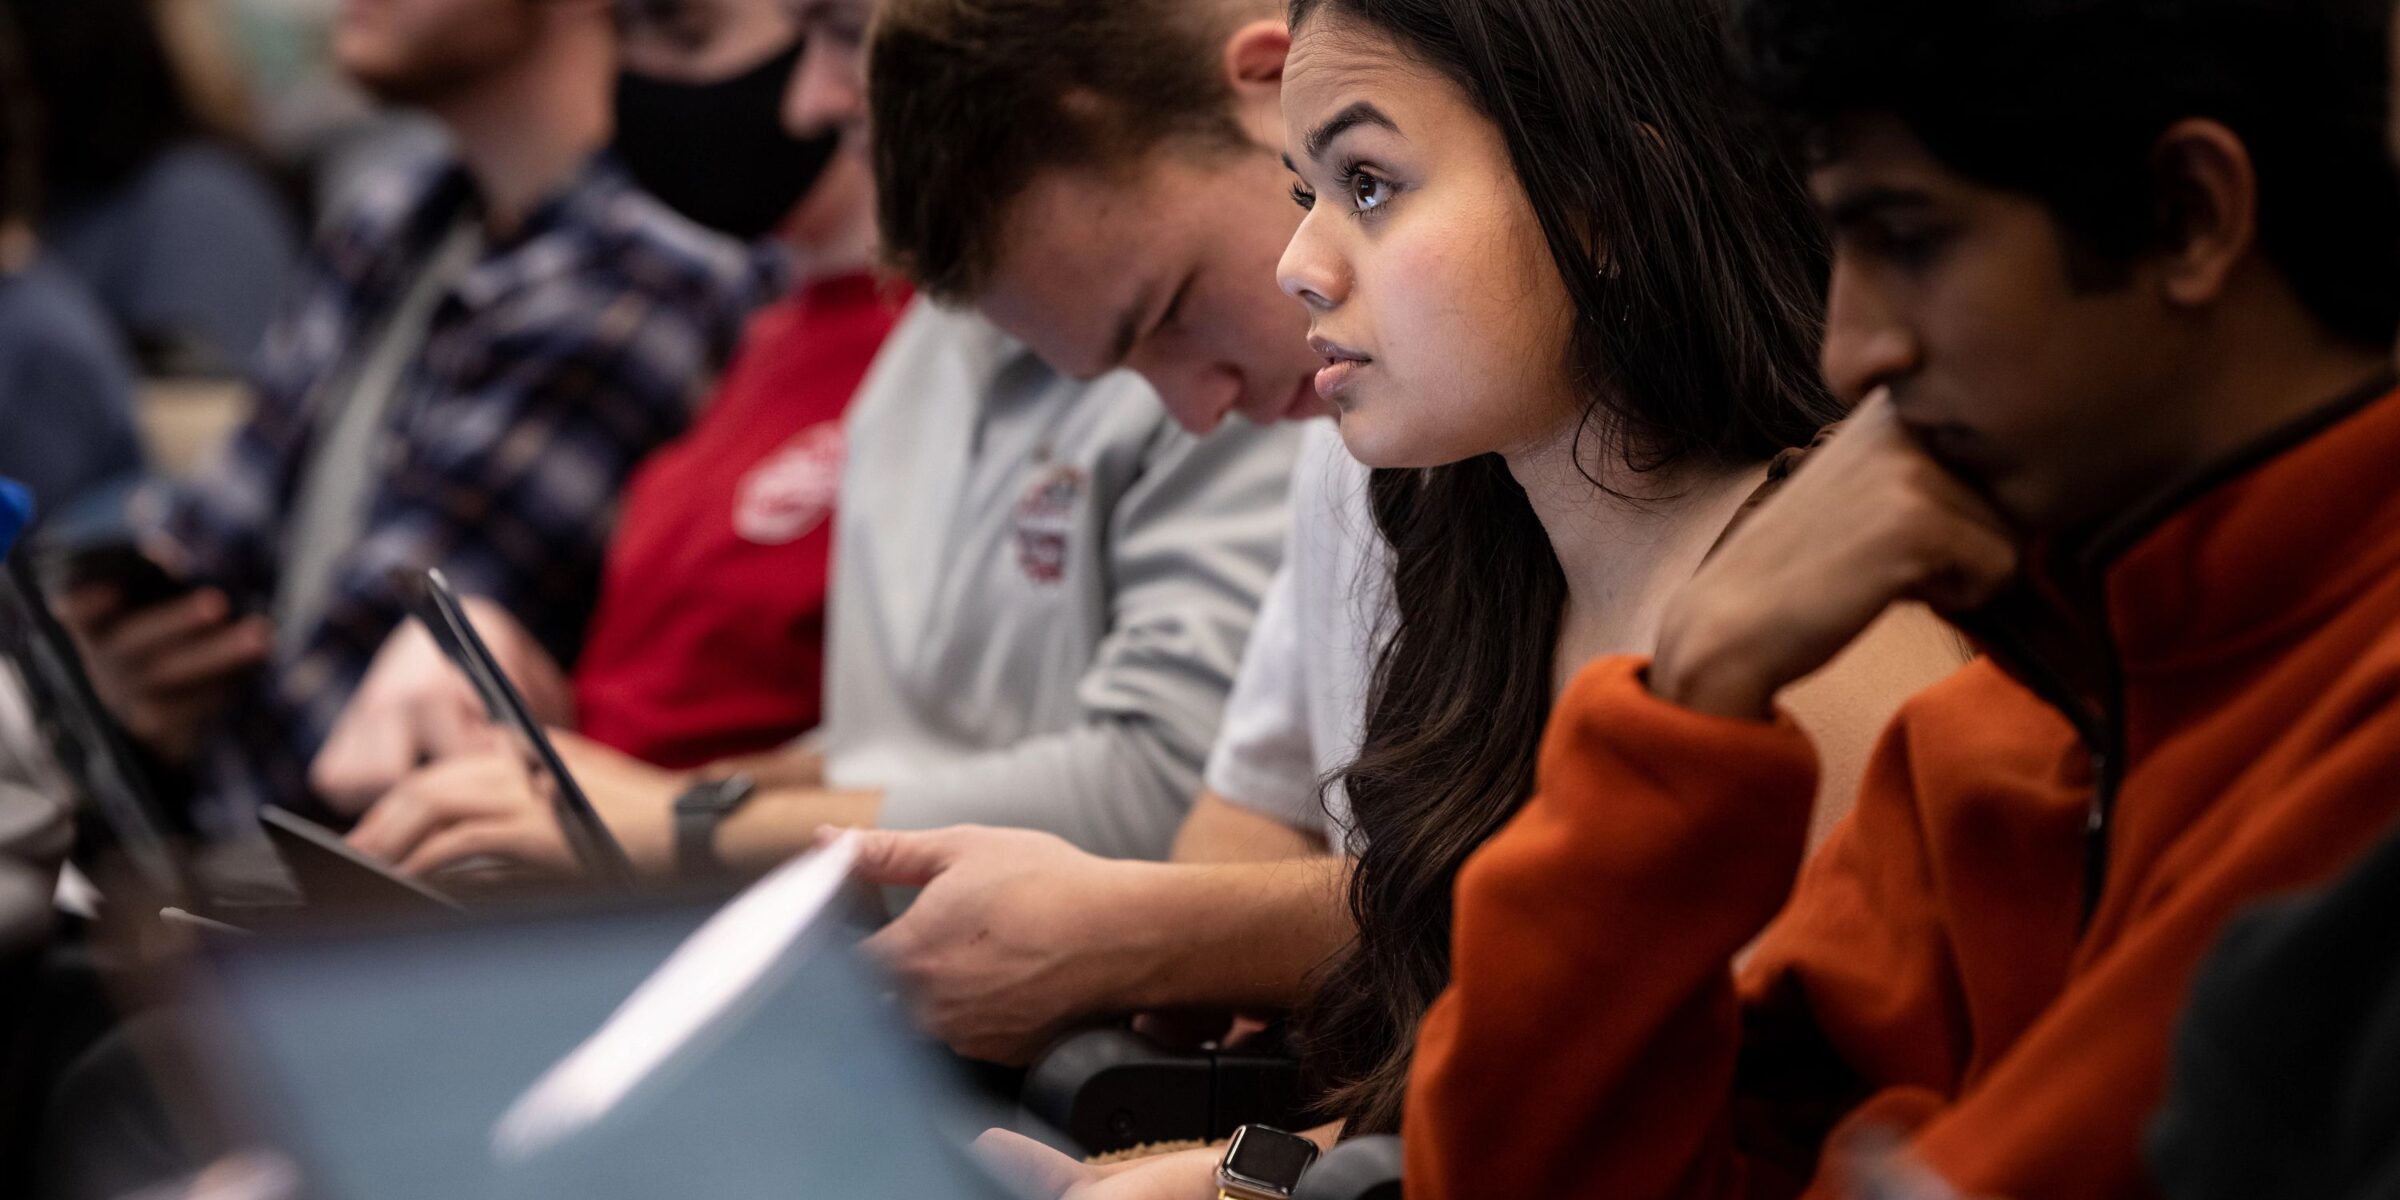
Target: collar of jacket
(2235, 558)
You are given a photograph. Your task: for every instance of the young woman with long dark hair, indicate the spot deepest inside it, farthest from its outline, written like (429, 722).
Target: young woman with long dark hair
(1568, 292)
(1569, 297)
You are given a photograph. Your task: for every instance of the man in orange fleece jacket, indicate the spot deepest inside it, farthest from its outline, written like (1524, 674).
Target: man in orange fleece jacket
(2122, 336)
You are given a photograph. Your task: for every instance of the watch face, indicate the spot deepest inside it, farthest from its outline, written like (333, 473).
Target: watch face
(1267, 1158)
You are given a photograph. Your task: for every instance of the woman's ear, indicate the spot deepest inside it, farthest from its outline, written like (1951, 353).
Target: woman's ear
(1253, 66)
(2207, 190)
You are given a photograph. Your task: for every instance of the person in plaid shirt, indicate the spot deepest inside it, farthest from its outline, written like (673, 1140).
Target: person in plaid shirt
(481, 349)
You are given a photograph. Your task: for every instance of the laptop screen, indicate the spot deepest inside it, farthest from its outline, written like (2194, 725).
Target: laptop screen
(434, 604)
(635, 1052)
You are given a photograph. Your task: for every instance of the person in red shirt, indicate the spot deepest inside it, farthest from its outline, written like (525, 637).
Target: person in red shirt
(707, 642)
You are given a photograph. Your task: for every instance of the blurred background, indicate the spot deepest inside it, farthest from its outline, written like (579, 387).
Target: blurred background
(178, 150)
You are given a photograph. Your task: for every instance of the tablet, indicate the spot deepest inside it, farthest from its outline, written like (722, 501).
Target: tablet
(628, 1048)
(434, 604)
(333, 876)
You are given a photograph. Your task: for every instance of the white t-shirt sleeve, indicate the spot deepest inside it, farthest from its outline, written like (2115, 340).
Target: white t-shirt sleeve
(1298, 702)
(1264, 759)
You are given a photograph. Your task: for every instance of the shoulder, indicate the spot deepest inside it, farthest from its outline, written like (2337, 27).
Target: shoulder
(636, 242)
(1981, 713)
(384, 197)
(48, 317)
(937, 364)
(1237, 459)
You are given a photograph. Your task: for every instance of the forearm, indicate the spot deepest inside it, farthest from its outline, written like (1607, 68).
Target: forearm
(1117, 788)
(1231, 935)
(1219, 831)
(778, 823)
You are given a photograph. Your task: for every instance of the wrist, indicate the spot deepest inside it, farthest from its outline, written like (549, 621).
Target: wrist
(781, 821)
(1711, 675)
(702, 805)
(1135, 905)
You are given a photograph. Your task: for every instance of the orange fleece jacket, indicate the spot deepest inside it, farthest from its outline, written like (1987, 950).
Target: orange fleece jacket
(1930, 973)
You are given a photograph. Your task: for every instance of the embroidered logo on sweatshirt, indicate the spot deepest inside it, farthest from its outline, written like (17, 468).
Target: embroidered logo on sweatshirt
(793, 490)
(1045, 523)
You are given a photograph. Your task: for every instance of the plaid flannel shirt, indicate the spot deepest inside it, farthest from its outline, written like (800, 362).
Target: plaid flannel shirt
(568, 352)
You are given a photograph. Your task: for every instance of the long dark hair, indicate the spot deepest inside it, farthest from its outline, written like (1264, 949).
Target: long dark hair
(1685, 238)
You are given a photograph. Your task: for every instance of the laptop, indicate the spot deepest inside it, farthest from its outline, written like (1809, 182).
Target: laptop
(625, 1048)
(331, 874)
(433, 602)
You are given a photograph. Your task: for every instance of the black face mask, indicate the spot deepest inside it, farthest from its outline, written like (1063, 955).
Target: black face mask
(718, 152)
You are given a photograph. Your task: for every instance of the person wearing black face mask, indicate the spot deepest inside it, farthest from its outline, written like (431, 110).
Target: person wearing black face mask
(706, 643)
(716, 150)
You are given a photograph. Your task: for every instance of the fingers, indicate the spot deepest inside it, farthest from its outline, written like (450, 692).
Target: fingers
(452, 722)
(438, 797)
(1957, 551)
(515, 837)
(895, 946)
(895, 859)
(1976, 563)
(384, 735)
(397, 823)
(1028, 1166)
(147, 632)
(207, 657)
(366, 755)
(87, 610)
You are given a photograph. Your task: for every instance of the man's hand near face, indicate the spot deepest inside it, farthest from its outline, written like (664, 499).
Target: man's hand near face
(1870, 519)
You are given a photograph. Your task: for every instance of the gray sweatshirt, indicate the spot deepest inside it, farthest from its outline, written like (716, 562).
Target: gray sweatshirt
(1041, 591)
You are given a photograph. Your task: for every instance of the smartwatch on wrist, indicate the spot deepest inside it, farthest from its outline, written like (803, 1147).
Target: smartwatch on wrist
(698, 812)
(1263, 1164)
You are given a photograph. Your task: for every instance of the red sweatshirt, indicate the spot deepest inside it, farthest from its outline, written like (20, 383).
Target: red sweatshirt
(709, 638)
(1933, 971)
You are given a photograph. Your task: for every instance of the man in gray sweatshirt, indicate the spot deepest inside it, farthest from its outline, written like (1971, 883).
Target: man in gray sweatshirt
(1042, 587)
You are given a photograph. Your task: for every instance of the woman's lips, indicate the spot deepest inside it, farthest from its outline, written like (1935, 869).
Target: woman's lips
(1338, 377)
(1342, 366)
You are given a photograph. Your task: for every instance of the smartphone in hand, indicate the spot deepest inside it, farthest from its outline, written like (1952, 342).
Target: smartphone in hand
(119, 564)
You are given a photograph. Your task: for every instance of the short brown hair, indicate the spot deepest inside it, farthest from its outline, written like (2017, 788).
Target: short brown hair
(970, 99)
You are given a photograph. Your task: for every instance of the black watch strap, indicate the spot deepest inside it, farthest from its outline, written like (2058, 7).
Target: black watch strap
(698, 812)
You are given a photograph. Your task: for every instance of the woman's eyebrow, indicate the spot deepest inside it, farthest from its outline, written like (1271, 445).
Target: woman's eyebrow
(1357, 114)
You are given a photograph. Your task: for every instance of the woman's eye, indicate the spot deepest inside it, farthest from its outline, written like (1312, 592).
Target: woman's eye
(1367, 192)
(1303, 197)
